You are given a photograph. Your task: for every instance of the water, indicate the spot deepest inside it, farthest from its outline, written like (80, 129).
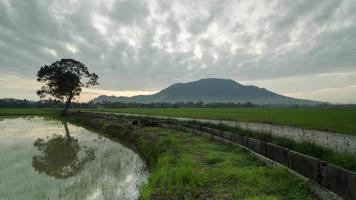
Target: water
(48, 159)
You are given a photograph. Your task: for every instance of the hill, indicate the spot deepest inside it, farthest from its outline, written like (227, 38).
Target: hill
(211, 90)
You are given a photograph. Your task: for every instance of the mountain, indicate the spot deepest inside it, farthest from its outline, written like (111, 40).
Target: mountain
(211, 90)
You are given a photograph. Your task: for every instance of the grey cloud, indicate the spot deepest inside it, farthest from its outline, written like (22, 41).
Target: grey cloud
(150, 44)
(129, 11)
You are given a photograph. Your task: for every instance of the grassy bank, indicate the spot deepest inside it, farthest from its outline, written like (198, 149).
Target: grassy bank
(328, 119)
(185, 166)
(25, 111)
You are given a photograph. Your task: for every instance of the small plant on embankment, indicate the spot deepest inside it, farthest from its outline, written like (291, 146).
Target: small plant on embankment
(186, 166)
(345, 160)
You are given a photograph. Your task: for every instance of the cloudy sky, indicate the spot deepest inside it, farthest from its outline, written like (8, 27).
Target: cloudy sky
(300, 48)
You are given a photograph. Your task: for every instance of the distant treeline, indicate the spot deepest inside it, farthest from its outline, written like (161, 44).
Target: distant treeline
(16, 103)
(199, 104)
(8, 103)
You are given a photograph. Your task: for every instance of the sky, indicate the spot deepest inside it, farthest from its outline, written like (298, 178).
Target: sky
(300, 48)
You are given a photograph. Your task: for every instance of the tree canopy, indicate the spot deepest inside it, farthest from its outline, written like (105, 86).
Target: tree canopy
(64, 80)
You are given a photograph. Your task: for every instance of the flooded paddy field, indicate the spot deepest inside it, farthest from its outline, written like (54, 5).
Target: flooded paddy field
(47, 159)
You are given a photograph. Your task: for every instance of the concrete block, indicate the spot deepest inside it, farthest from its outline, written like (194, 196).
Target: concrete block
(226, 135)
(339, 180)
(256, 145)
(277, 153)
(245, 141)
(240, 139)
(214, 132)
(204, 129)
(234, 138)
(305, 165)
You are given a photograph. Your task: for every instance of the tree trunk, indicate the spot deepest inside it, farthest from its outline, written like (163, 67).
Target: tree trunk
(66, 129)
(66, 106)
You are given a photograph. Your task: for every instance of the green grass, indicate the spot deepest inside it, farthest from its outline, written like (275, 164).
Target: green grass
(25, 111)
(328, 119)
(185, 166)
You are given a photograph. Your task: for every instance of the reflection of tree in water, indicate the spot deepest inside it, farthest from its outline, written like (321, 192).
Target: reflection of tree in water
(61, 156)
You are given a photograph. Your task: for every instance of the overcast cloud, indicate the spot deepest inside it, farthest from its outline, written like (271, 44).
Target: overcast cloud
(300, 48)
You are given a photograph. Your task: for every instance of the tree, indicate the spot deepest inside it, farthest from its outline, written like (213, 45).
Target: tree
(64, 80)
(61, 157)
